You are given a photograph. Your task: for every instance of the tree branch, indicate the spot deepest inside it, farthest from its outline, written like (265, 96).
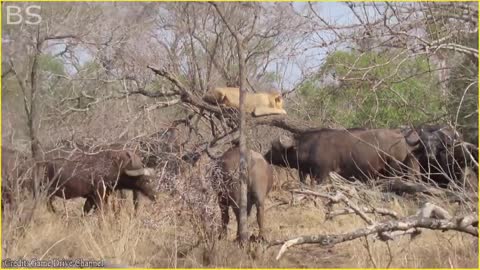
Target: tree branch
(60, 37)
(400, 225)
(346, 211)
(430, 216)
(283, 122)
(235, 34)
(186, 95)
(170, 77)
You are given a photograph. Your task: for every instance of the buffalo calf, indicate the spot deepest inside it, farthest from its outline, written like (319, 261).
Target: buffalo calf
(259, 184)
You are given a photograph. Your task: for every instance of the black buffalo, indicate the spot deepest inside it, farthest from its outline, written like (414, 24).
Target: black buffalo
(441, 153)
(95, 175)
(357, 153)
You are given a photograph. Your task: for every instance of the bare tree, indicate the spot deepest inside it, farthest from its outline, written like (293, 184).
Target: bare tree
(241, 41)
(28, 46)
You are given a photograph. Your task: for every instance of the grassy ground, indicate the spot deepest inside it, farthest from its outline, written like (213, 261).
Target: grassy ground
(166, 234)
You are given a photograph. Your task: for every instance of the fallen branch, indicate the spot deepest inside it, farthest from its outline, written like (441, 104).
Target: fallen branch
(403, 187)
(340, 197)
(430, 216)
(430, 210)
(400, 225)
(413, 232)
(346, 211)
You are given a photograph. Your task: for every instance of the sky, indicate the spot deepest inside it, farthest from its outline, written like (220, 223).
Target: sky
(333, 12)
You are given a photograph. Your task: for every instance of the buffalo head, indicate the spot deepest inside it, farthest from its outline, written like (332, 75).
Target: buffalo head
(134, 176)
(281, 151)
(431, 140)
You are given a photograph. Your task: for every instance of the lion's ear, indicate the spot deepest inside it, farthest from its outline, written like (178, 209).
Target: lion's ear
(224, 100)
(278, 99)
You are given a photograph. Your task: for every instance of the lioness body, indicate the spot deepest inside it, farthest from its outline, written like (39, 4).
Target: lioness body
(256, 103)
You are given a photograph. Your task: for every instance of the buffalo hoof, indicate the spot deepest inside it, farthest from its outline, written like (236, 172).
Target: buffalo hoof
(252, 238)
(221, 236)
(257, 239)
(240, 243)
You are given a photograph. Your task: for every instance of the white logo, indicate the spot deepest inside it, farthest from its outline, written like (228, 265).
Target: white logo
(32, 16)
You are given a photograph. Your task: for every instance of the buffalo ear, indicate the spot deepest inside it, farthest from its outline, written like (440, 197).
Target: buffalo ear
(286, 141)
(125, 157)
(412, 137)
(129, 157)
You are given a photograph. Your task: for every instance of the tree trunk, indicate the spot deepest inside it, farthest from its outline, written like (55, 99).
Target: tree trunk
(241, 42)
(32, 115)
(242, 223)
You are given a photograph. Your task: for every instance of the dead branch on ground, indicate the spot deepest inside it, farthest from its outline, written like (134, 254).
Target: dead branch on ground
(367, 210)
(429, 216)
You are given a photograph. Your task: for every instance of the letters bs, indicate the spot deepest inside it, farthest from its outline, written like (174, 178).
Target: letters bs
(16, 16)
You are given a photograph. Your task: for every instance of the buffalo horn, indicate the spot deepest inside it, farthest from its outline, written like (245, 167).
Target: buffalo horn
(212, 156)
(148, 172)
(139, 172)
(286, 142)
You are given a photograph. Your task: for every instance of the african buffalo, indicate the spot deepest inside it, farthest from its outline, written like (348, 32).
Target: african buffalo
(355, 153)
(95, 175)
(441, 152)
(65, 148)
(260, 183)
(432, 139)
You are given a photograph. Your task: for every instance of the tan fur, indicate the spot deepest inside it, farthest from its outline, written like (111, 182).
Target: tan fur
(259, 111)
(256, 103)
(259, 185)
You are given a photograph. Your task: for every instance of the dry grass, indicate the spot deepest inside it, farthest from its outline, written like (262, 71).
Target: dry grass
(165, 234)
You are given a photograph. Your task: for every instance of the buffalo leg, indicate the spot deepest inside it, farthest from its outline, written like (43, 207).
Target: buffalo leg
(99, 202)
(50, 206)
(302, 176)
(223, 203)
(405, 168)
(100, 199)
(249, 205)
(89, 204)
(118, 200)
(317, 177)
(136, 200)
(413, 167)
(236, 211)
(260, 219)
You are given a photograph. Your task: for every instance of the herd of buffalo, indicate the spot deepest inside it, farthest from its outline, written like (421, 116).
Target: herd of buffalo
(436, 154)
